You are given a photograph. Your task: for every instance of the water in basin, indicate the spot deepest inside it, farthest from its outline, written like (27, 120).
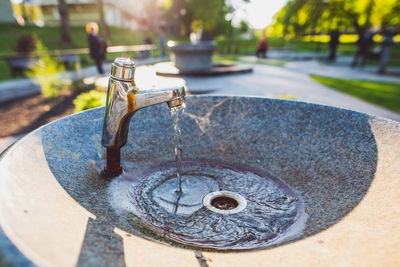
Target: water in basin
(170, 199)
(273, 212)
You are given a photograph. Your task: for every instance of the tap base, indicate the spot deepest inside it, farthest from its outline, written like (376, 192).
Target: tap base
(113, 163)
(110, 173)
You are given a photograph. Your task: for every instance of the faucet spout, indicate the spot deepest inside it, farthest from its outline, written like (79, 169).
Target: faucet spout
(174, 96)
(123, 100)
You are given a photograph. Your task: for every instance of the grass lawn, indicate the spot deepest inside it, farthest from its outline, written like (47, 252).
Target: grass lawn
(273, 62)
(383, 94)
(226, 58)
(236, 58)
(50, 36)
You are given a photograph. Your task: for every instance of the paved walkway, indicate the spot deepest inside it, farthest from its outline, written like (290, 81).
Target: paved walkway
(341, 70)
(278, 82)
(367, 73)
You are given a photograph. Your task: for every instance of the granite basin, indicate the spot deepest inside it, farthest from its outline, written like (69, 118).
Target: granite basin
(57, 211)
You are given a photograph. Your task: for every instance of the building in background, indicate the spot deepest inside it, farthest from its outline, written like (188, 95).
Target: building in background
(6, 12)
(132, 14)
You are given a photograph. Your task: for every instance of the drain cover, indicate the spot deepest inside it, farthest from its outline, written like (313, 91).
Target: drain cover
(224, 202)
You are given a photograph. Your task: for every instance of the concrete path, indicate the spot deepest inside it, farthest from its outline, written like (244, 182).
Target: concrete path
(334, 70)
(367, 73)
(264, 81)
(278, 82)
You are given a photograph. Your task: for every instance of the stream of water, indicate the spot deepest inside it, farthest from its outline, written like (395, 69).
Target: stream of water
(177, 113)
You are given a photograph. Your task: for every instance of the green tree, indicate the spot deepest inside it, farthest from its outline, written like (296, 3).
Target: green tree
(210, 15)
(299, 17)
(243, 27)
(46, 72)
(103, 25)
(64, 23)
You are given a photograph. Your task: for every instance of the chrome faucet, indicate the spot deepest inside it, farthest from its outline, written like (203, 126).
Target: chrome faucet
(123, 100)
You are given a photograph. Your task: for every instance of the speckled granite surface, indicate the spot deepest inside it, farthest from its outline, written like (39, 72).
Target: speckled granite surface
(58, 211)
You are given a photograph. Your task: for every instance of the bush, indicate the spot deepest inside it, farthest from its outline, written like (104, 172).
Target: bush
(45, 71)
(89, 100)
(236, 46)
(26, 44)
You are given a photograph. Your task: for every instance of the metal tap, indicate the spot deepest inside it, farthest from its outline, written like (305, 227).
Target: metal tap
(123, 100)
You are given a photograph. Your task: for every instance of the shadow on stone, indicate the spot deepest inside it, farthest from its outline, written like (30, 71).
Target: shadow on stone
(111, 251)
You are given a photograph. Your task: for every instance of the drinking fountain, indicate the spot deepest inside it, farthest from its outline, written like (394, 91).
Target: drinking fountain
(281, 182)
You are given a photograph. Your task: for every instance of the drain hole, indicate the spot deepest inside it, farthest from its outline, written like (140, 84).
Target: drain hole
(224, 203)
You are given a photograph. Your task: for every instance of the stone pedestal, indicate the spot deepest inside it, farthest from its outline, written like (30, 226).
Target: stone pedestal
(193, 57)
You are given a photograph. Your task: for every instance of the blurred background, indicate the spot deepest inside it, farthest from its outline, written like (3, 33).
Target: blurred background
(49, 64)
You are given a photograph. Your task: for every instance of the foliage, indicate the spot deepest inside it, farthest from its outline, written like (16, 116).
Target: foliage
(243, 27)
(272, 62)
(286, 97)
(5, 72)
(26, 44)
(211, 15)
(45, 71)
(89, 100)
(238, 46)
(50, 36)
(384, 94)
(27, 13)
(235, 58)
(301, 17)
(64, 23)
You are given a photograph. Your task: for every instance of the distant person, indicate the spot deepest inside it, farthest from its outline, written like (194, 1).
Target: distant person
(148, 41)
(363, 45)
(205, 36)
(262, 48)
(193, 37)
(97, 47)
(333, 44)
(385, 50)
(161, 44)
